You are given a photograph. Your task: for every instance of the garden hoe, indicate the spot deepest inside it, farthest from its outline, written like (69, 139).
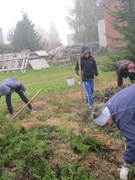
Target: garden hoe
(80, 73)
(26, 104)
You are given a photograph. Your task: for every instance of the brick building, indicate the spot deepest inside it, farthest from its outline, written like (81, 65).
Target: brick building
(109, 30)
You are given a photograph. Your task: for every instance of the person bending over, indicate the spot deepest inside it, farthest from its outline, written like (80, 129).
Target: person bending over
(124, 69)
(120, 109)
(9, 86)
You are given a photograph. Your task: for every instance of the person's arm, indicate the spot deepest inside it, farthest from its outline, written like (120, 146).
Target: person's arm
(95, 67)
(132, 77)
(119, 78)
(21, 86)
(129, 158)
(129, 155)
(77, 68)
(119, 81)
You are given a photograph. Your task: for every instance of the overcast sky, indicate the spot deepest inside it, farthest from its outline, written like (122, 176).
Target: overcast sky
(41, 12)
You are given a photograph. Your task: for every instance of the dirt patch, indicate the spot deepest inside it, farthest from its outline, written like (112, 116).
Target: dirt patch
(67, 110)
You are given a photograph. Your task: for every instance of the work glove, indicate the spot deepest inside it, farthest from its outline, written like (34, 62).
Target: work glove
(25, 93)
(124, 172)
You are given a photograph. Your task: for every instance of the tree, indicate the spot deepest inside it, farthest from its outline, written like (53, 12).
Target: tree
(5, 48)
(123, 21)
(53, 35)
(25, 36)
(83, 19)
(10, 35)
(43, 37)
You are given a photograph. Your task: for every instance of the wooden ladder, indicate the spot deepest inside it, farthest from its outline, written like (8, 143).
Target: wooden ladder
(14, 63)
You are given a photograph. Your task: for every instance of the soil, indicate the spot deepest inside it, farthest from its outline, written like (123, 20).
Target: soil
(49, 112)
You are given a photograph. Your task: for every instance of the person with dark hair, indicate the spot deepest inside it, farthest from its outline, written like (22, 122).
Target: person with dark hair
(89, 69)
(9, 86)
(124, 69)
(120, 109)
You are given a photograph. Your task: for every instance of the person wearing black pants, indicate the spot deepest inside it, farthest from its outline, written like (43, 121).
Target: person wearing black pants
(125, 68)
(9, 86)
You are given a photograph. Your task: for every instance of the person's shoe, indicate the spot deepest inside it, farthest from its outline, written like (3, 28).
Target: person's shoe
(10, 116)
(32, 111)
(91, 107)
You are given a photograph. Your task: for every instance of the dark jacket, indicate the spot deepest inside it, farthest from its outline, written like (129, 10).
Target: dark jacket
(122, 108)
(88, 67)
(9, 85)
(122, 71)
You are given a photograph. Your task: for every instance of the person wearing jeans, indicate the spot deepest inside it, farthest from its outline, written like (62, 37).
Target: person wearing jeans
(89, 89)
(89, 69)
(9, 86)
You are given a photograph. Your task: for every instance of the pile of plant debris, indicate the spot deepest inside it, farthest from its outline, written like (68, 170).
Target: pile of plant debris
(106, 94)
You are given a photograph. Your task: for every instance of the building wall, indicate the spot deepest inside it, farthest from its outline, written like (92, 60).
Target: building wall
(109, 30)
(102, 33)
(1, 37)
(70, 39)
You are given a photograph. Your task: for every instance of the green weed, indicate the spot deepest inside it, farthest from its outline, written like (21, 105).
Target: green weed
(78, 145)
(53, 102)
(41, 169)
(71, 172)
(83, 145)
(132, 173)
(112, 132)
(7, 176)
(95, 145)
(64, 134)
(20, 147)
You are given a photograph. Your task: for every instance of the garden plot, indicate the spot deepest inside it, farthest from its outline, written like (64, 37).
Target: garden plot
(60, 142)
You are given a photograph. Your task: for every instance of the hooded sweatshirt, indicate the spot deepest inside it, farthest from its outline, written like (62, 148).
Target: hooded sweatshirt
(122, 108)
(88, 65)
(9, 85)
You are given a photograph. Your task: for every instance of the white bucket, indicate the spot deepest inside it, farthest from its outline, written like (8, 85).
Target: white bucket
(70, 80)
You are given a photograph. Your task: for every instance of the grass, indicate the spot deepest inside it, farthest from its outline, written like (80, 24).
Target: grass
(53, 79)
(28, 150)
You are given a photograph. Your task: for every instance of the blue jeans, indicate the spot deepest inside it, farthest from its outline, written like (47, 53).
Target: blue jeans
(89, 89)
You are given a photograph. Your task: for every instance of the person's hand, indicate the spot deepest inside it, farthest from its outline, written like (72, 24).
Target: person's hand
(11, 91)
(79, 72)
(124, 172)
(96, 77)
(133, 81)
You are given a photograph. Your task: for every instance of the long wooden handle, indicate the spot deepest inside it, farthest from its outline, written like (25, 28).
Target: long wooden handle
(26, 104)
(80, 70)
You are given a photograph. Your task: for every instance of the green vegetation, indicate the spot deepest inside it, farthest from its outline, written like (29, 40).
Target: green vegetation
(54, 144)
(123, 22)
(53, 79)
(83, 145)
(82, 16)
(75, 173)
